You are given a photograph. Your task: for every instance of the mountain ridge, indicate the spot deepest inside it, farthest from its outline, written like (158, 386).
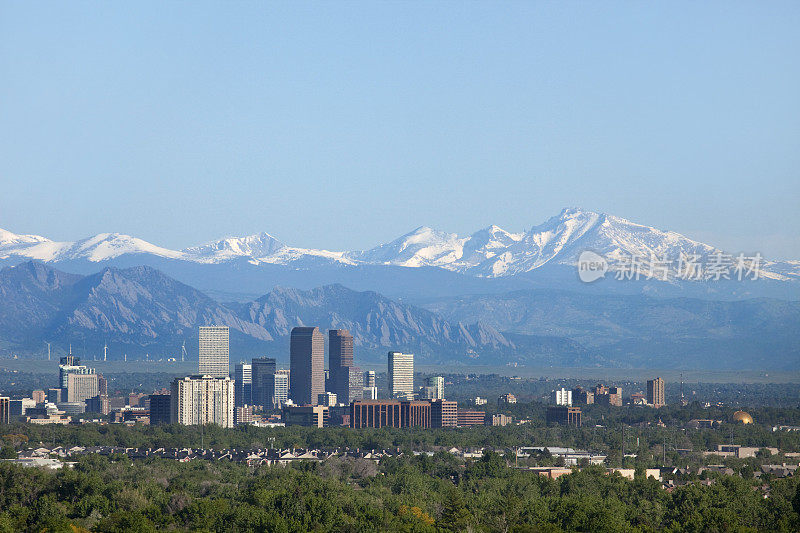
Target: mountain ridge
(140, 310)
(489, 252)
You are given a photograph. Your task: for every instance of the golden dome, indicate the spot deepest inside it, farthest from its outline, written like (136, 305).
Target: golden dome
(743, 417)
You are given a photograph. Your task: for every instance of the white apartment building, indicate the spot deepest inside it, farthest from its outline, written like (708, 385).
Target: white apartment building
(202, 400)
(214, 351)
(561, 397)
(401, 375)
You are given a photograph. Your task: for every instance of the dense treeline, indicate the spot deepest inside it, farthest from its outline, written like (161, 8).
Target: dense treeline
(406, 493)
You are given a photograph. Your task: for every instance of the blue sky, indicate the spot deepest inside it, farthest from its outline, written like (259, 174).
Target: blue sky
(344, 124)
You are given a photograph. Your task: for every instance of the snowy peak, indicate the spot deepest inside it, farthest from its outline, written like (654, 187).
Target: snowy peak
(8, 239)
(256, 246)
(101, 247)
(105, 246)
(422, 247)
(489, 252)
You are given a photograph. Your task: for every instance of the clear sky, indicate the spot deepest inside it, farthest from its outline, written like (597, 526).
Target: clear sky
(343, 124)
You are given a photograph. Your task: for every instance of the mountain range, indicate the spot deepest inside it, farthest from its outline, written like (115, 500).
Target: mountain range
(139, 310)
(423, 262)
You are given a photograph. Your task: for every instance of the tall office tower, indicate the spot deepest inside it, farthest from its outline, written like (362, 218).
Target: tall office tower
(160, 408)
(340, 360)
(214, 351)
(202, 400)
(307, 365)
(561, 397)
(264, 382)
(355, 385)
(81, 386)
(434, 388)
(655, 392)
(401, 375)
(71, 365)
(243, 379)
(5, 410)
(281, 387)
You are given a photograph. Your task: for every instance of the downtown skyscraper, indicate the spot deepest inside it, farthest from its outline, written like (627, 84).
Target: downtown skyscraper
(243, 379)
(307, 365)
(401, 375)
(263, 372)
(345, 379)
(214, 351)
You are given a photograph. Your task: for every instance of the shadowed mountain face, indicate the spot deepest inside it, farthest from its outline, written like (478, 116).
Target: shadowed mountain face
(756, 333)
(140, 310)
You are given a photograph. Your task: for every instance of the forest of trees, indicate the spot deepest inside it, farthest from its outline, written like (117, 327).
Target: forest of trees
(406, 493)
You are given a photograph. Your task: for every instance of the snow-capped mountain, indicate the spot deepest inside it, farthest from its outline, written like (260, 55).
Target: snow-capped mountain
(253, 246)
(489, 253)
(100, 247)
(563, 237)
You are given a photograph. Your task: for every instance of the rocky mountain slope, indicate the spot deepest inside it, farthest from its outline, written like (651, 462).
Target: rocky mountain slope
(140, 310)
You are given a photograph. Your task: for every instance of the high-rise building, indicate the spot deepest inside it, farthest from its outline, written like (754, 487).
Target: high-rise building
(5, 410)
(444, 414)
(243, 379)
(655, 392)
(307, 365)
(561, 396)
(340, 358)
(160, 405)
(214, 351)
(39, 396)
(81, 386)
(281, 387)
(434, 388)
(202, 400)
(70, 364)
(401, 375)
(355, 384)
(264, 382)
(369, 379)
